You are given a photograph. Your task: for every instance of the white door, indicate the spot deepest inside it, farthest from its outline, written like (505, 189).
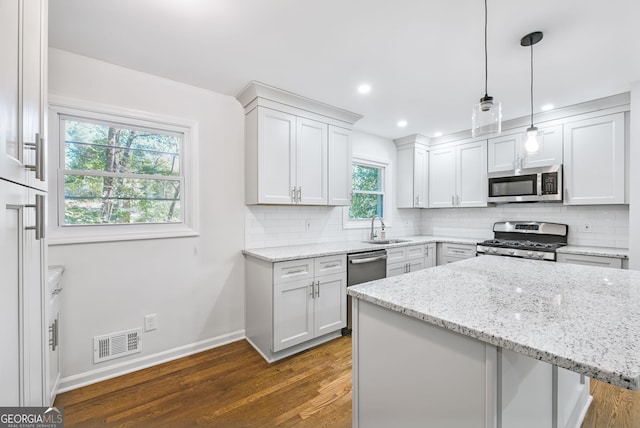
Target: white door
(11, 153)
(550, 151)
(12, 199)
(292, 313)
(311, 153)
(340, 165)
(472, 175)
(276, 157)
(504, 152)
(594, 166)
(442, 178)
(421, 178)
(330, 304)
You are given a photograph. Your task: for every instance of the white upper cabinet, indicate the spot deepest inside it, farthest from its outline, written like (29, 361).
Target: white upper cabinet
(297, 151)
(340, 176)
(412, 177)
(506, 153)
(311, 162)
(594, 165)
(22, 93)
(458, 176)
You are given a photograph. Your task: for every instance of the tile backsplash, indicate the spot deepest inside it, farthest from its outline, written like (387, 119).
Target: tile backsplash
(274, 226)
(609, 224)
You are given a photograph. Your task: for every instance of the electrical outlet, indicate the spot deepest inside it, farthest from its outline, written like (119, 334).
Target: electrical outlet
(150, 322)
(307, 225)
(586, 227)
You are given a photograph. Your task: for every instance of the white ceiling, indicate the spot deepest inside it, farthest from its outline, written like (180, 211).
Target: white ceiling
(423, 58)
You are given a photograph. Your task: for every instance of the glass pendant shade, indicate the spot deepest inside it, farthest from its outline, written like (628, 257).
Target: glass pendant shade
(533, 139)
(486, 117)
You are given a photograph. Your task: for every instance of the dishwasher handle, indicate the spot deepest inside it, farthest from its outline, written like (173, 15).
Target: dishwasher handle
(368, 260)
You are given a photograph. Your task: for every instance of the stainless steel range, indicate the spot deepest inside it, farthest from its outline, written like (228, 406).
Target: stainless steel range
(526, 239)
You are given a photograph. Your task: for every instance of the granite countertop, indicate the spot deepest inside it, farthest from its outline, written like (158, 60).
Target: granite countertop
(294, 252)
(54, 273)
(581, 318)
(620, 253)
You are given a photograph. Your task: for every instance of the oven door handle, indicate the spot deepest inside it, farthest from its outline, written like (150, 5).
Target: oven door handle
(368, 260)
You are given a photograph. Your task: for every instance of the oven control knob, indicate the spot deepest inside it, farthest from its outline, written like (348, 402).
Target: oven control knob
(494, 250)
(512, 252)
(529, 253)
(540, 255)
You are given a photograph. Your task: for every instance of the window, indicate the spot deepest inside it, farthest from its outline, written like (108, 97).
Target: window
(122, 176)
(368, 192)
(370, 183)
(114, 174)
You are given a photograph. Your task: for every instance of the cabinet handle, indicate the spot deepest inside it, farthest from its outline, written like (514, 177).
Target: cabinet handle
(291, 272)
(457, 200)
(56, 291)
(318, 293)
(293, 195)
(300, 194)
(453, 200)
(39, 227)
(566, 194)
(313, 289)
(39, 163)
(418, 200)
(332, 265)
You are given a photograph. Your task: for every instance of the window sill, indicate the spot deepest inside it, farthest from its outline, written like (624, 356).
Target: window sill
(116, 233)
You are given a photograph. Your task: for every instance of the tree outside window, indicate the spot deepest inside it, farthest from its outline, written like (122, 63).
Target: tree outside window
(115, 174)
(368, 192)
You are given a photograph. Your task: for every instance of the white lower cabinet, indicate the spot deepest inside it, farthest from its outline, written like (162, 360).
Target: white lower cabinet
(429, 255)
(588, 260)
(294, 305)
(406, 259)
(449, 253)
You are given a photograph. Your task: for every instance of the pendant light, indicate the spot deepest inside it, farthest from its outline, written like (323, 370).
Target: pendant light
(486, 116)
(533, 136)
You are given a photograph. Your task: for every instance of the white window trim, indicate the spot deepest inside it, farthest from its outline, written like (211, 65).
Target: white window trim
(59, 235)
(386, 183)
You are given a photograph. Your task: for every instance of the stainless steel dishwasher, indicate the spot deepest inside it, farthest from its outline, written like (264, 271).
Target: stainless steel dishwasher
(364, 267)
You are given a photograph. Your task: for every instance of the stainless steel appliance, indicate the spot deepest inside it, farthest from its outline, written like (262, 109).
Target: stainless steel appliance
(525, 239)
(526, 185)
(364, 267)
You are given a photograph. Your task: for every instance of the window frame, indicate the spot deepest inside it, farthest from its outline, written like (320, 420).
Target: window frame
(63, 109)
(348, 223)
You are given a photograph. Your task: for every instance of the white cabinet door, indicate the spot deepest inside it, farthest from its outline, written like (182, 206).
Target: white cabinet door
(276, 156)
(442, 178)
(594, 166)
(13, 197)
(415, 265)
(405, 178)
(340, 165)
(503, 152)
(395, 269)
(311, 162)
(421, 178)
(471, 173)
(292, 313)
(11, 153)
(330, 304)
(430, 255)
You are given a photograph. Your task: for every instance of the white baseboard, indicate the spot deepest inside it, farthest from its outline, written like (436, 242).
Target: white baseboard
(93, 376)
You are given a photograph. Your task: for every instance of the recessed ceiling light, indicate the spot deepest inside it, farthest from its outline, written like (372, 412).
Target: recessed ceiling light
(547, 107)
(437, 134)
(402, 123)
(365, 88)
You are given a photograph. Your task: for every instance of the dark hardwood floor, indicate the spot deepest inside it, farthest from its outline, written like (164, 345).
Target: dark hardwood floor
(232, 386)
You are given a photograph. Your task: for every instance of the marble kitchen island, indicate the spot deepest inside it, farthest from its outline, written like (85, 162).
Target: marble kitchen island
(492, 342)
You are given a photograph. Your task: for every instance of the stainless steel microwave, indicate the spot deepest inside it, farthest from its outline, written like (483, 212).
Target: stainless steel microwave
(526, 185)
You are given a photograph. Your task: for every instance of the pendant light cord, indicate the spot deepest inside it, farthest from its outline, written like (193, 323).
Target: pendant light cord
(532, 81)
(486, 67)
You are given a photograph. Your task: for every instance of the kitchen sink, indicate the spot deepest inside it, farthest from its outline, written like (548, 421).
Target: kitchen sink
(386, 241)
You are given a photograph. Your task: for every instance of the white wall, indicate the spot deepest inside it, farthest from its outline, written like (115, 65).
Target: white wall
(273, 226)
(634, 179)
(194, 285)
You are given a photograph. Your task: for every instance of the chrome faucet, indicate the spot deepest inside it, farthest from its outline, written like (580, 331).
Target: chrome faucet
(373, 234)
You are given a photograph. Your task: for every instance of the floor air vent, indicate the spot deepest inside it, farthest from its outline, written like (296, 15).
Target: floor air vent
(116, 345)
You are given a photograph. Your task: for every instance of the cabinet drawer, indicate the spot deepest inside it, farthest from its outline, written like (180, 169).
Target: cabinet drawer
(582, 259)
(415, 252)
(396, 269)
(330, 264)
(396, 254)
(458, 250)
(293, 270)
